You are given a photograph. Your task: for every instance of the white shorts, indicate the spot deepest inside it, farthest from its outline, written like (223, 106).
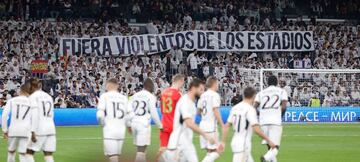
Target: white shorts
(187, 154)
(44, 143)
(18, 143)
(205, 144)
(113, 147)
(274, 132)
(243, 157)
(142, 134)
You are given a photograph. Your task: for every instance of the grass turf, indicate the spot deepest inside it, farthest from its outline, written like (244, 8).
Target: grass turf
(300, 143)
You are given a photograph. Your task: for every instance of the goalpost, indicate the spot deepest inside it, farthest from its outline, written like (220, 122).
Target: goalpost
(333, 87)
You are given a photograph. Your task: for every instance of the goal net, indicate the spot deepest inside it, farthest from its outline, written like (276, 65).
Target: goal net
(316, 87)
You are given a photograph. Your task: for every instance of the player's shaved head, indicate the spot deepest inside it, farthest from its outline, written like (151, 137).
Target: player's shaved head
(149, 85)
(211, 81)
(272, 80)
(249, 92)
(35, 84)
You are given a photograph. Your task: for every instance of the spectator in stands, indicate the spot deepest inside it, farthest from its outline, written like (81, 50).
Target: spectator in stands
(314, 101)
(192, 60)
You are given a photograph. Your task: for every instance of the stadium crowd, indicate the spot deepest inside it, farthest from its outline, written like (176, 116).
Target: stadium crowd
(78, 80)
(174, 10)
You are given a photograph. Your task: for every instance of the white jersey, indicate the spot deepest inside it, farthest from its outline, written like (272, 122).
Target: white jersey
(21, 117)
(242, 117)
(44, 106)
(270, 104)
(181, 134)
(207, 102)
(112, 110)
(143, 106)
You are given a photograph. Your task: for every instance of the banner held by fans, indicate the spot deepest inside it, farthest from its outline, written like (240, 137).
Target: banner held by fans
(39, 66)
(252, 41)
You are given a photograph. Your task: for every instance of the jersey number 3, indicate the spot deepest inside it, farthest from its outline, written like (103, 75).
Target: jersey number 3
(167, 105)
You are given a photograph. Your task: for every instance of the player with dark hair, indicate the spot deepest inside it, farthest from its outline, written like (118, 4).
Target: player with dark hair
(271, 104)
(240, 114)
(143, 109)
(44, 124)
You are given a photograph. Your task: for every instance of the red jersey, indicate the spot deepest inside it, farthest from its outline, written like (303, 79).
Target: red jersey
(169, 99)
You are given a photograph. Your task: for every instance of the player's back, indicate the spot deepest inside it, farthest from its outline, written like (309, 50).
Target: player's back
(115, 106)
(20, 123)
(241, 116)
(208, 100)
(185, 108)
(269, 101)
(44, 105)
(141, 103)
(169, 99)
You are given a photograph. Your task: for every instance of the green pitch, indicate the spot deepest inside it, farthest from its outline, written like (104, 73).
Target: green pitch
(300, 143)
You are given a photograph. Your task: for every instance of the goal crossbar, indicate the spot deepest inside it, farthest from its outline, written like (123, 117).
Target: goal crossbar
(312, 70)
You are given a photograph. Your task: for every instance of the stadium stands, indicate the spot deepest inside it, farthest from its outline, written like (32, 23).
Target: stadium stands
(81, 78)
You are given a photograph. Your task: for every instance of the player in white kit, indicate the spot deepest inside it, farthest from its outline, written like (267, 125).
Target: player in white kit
(181, 147)
(243, 119)
(143, 106)
(271, 104)
(44, 126)
(208, 105)
(112, 115)
(20, 129)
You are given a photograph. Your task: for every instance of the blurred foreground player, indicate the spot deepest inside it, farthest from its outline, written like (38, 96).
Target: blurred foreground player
(20, 128)
(143, 105)
(209, 104)
(112, 115)
(44, 125)
(243, 119)
(181, 146)
(169, 99)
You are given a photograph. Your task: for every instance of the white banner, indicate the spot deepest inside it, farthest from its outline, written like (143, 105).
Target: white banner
(256, 41)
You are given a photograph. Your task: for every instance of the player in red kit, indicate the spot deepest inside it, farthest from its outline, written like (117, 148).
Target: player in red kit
(169, 98)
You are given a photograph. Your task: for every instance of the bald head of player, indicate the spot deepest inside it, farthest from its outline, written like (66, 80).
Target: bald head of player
(149, 85)
(249, 95)
(35, 84)
(272, 80)
(212, 83)
(177, 81)
(112, 85)
(196, 88)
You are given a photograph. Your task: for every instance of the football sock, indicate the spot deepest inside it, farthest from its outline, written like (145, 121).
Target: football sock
(140, 157)
(274, 159)
(11, 157)
(271, 154)
(49, 159)
(30, 158)
(113, 159)
(22, 158)
(211, 157)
